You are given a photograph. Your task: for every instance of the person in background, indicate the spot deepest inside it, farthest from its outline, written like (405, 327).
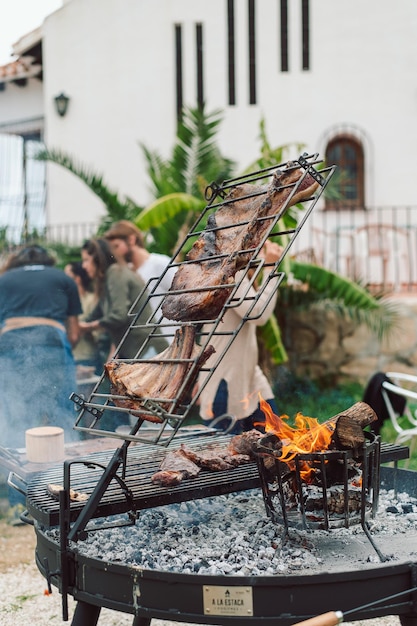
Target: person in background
(117, 288)
(92, 348)
(128, 246)
(39, 309)
(234, 387)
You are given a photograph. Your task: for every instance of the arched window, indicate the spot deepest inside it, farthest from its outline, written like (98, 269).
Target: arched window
(347, 153)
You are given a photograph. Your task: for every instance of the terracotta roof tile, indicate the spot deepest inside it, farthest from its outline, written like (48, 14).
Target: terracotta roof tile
(21, 68)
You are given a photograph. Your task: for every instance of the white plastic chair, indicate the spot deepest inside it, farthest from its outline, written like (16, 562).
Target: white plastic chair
(396, 387)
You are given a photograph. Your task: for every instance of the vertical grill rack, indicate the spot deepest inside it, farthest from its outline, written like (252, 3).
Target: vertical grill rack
(172, 412)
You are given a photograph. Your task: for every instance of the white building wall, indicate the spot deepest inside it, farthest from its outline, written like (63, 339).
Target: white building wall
(18, 104)
(116, 61)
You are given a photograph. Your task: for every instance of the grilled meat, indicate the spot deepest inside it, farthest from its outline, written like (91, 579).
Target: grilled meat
(245, 443)
(174, 468)
(228, 242)
(215, 459)
(160, 379)
(168, 478)
(75, 496)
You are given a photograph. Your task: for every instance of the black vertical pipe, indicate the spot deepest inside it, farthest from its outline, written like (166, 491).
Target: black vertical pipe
(284, 34)
(252, 52)
(231, 50)
(178, 70)
(199, 59)
(305, 25)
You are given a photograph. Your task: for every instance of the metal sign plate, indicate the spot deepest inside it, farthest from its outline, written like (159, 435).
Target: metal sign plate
(232, 601)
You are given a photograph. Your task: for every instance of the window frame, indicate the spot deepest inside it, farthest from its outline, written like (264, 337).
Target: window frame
(347, 141)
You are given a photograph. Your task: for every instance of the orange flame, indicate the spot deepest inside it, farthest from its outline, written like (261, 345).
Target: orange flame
(308, 436)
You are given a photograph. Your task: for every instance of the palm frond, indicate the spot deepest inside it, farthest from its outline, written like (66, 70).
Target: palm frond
(116, 207)
(272, 156)
(159, 173)
(331, 285)
(196, 160)
(346, 297)
(196, 153)
(166, 208)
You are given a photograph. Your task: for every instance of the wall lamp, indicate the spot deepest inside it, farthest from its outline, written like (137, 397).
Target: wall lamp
(61, 104)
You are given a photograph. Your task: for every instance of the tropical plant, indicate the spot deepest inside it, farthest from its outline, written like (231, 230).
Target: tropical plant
(319, 285)
(348, 298)
(117, 208)
(178, 185)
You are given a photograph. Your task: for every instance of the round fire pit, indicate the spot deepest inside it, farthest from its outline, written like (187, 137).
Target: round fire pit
(362, 591)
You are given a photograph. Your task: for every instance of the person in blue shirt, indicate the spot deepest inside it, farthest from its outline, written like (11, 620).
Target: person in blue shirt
(39, 308)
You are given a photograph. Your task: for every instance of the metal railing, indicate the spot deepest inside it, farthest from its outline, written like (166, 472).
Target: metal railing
(377, 247)
(71, 235)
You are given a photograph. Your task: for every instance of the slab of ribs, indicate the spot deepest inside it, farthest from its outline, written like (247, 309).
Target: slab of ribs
(201, 287)
(162, 378)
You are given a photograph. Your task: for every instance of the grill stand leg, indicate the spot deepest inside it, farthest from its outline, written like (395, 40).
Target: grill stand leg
(142, 621)
(85, 614)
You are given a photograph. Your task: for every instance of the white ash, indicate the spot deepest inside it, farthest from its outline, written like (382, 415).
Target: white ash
(232, 535)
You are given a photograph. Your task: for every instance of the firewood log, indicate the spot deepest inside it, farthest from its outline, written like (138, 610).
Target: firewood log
(350, 424)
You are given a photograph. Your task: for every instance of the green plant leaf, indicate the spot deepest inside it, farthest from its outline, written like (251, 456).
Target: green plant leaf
(346, 297)
(272, 340)
(166, 208)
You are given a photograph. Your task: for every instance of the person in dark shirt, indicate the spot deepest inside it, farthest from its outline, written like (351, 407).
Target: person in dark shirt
(39, 308)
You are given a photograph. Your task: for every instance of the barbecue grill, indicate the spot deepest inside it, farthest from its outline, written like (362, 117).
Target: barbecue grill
(296, 514)
(119, 482)
(382, 589)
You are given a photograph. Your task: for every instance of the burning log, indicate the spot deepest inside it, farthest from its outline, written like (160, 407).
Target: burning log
(344, 431)
(317, 469)
(282, 444)
(313, 499)
(349, 426)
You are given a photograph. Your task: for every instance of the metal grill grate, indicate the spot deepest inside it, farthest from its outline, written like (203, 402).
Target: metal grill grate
(137, 491)
(142, 462)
